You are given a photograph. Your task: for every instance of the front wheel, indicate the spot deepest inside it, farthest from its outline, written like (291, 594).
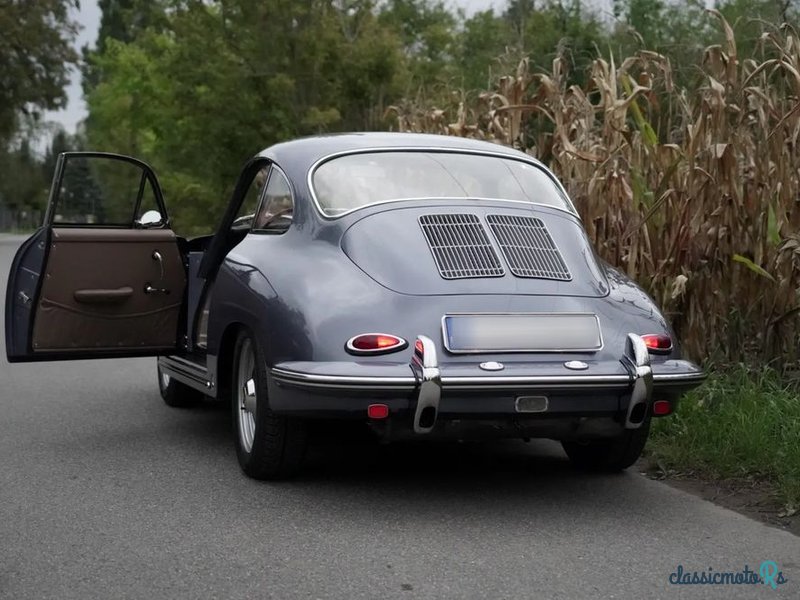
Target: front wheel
(268, 446)
(609, 455)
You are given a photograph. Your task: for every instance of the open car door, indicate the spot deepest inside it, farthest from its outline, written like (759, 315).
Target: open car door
(104, 275)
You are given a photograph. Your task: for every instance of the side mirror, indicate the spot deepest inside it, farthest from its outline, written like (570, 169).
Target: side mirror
(152, 218)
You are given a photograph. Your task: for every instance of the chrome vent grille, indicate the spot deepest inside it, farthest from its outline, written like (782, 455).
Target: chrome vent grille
(528, 248)
(460, 246)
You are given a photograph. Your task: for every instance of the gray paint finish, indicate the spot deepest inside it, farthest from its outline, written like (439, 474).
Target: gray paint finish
(306, 292)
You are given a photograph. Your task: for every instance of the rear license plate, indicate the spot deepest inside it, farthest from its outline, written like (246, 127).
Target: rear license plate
(519, 332)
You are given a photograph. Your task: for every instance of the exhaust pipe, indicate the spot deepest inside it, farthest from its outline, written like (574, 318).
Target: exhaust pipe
(639, 358)
(424, 363)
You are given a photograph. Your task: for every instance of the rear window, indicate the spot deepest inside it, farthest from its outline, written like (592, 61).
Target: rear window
(353, 181)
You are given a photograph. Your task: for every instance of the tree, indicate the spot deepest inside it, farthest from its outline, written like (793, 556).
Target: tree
(646, 17)
(427, 30)
(23, 189)
(123, 21)
(748, 19)
(484, 37)
(215, 82)
(557, 27)
(36, 55)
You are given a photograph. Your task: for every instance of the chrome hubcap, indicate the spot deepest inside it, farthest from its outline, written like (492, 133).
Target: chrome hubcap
(246, 396)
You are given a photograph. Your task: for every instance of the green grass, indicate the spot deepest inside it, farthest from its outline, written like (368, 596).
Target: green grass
(740, 424)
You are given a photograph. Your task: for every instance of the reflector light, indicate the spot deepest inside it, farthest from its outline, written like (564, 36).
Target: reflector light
(375, 343)
(658, 343)
(377, 411)
(661, 408)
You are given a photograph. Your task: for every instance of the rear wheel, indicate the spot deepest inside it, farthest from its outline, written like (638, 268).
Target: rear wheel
(175, 393)
(268, 446)
(609, 455)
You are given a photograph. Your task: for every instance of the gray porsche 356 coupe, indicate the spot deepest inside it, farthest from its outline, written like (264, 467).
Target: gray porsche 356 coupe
(427, 286)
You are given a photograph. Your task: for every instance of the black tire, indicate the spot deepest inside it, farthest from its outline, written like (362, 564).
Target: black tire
(609, 455)
(277, 444)
(175, 393)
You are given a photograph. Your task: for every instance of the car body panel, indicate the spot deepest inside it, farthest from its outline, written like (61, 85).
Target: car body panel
(394, 237)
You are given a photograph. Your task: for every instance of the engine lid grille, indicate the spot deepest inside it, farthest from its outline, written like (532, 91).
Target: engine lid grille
(460, 246)
(528, 247)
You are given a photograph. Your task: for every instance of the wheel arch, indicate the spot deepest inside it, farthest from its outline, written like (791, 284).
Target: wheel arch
(224, 358)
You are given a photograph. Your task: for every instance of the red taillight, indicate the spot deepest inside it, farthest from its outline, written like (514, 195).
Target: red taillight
(377, 411)
(420, 348)
(661, 408)
(375, 343)
(658, 343)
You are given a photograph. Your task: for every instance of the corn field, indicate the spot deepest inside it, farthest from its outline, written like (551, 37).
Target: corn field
(692, 192)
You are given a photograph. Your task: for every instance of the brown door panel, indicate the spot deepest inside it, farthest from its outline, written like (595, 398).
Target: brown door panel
(93, 294)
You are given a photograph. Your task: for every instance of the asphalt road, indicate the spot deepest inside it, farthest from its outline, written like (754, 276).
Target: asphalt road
(105, 492)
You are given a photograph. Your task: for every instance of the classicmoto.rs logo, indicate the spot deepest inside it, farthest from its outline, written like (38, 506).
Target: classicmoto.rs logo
(768, 574)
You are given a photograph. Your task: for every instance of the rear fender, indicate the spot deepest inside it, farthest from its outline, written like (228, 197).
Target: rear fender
(241, 296)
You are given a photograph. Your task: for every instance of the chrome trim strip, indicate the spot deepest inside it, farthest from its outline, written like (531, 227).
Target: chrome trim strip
(408, 383)
(354, 380)
(488, 382)
(348, 386)
(184, 364)
(187, 372)
(538, 380)
(436, 149)
(679, 377)
(446, 344)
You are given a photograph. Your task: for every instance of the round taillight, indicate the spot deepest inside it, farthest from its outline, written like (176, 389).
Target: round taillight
(658, 343)
(375, 343)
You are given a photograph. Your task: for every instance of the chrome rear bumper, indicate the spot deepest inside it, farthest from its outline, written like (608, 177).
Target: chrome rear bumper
(418, 387)
(425, 365)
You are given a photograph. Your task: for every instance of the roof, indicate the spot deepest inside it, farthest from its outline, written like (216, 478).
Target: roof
(304, 152)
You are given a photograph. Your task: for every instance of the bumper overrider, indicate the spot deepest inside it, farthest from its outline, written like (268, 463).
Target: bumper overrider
(425, 392)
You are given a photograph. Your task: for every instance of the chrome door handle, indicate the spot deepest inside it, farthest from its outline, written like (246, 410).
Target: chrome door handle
(160, 260)
(149, 289)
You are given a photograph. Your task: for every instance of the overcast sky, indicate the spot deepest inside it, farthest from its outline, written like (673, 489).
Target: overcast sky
(89, 18)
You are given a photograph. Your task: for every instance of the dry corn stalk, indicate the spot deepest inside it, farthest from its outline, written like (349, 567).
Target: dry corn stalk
(695, 193)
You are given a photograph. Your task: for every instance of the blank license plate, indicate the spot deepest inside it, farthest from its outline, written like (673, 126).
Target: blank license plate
(558, 332)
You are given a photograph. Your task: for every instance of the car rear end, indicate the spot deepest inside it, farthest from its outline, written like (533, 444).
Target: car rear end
(489, 316)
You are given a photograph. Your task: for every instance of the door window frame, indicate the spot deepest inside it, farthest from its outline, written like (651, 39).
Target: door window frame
(218, 247)
(147, 175)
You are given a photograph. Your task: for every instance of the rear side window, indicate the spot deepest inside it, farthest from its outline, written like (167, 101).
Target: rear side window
(246, 215)
(277, 205)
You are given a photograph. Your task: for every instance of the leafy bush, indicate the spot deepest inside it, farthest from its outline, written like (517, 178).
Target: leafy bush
(741, 424)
